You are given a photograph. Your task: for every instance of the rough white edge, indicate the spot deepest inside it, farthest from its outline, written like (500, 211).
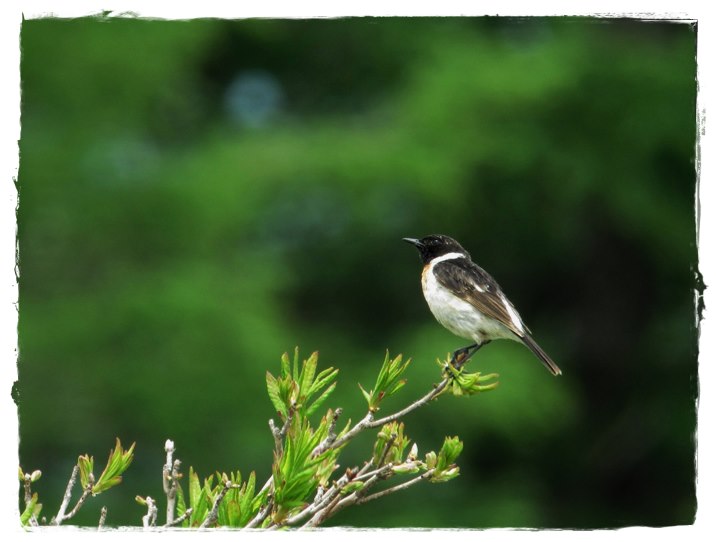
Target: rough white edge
(11, 14)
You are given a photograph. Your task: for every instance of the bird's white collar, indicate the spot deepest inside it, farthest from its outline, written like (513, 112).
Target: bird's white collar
(448, 256)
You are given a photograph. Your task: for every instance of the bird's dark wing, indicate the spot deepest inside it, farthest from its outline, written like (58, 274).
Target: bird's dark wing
(470, 282)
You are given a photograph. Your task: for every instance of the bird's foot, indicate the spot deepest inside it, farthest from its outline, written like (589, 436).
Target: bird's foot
(462, 355)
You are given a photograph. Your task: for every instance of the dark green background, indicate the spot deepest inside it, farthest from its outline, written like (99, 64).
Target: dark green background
(171, 251)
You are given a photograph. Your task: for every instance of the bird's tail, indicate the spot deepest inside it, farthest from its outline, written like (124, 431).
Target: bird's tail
(543, 357)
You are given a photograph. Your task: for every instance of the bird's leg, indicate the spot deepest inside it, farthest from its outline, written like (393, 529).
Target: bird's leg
(462, 355)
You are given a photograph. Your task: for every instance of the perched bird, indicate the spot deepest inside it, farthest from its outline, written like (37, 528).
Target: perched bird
(467, 301)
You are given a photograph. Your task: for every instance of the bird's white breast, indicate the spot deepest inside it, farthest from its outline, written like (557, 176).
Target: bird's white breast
(458, 316)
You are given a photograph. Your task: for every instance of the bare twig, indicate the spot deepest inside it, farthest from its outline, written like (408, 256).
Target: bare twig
(323, 497)
(170, 477)
(86, 493)
(180, 519)
(437, 390)
(278, 437)
(369, 422)
(102, 518)
(59, 518)
(327, 442)
(27, 481)
(214, 512)
(268, 484)
(337, 503)
(61, 514)
(319, 502)
(404, 485)
(150, 519)
(380, 472)
(286, 424)
(263, 512)
(262, 515)
(276, 432)
(388, 446)
(324, 511)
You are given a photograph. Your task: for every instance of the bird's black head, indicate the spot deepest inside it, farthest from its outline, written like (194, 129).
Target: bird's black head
(432, 246)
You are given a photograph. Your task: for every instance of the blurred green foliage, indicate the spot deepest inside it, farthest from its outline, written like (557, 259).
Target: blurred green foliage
(198, 197)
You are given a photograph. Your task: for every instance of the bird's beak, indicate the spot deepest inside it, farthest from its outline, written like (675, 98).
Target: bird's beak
(415, 242)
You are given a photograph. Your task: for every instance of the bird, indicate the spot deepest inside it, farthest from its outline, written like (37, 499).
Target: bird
(467, 301)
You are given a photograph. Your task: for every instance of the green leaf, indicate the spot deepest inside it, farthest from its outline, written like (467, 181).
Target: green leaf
(320, 400)
(118, 462)
(368, 396)
(296, 471)
(181, 505)
(431, 460)
(294, 389)
(351, 487)
(30, 510)
(194, 488)
(390, 434)
(240, 504)
(445, 476)
(274, 394)
(445, 468)
(307, 373)
(463, 384)
(209, 489)
(285, 365)
(409, 467)
(296, 374)
(86, 466)
(325, 377)
(246, 498)
(199, 497)
(451, 449)
(388, 382)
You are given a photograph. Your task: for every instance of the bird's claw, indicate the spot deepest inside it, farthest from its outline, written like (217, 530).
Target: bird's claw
(462, 355)
(459, 358)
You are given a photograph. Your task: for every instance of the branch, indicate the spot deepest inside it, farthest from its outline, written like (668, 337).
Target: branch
(359, 497)
(180, 519)
(336, 503)
(214, 513)
(102, 518)
(322, 499)
(86, 493)
(388, 446)
(404, 485)
(27, 481)
(278, 436)
(66, 500)
(380, 472)
(327, 442)
(368, 422)
(61, 514)
(170, 477)
(263, 513)
(437, 390)
(150, 519)
(276, 432)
